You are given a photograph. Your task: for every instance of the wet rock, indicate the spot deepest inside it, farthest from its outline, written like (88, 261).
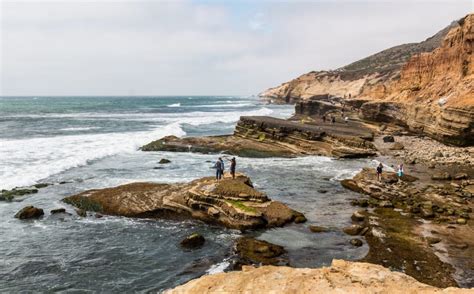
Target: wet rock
(41, 185)
(433, 240)
(164, 161)
(353, 230)
(461, 176)
(58, 210)
(158, 167)
(252, 251)
(441, 176)
(318, 229)
(461, 221)
(397, 146)
(235, 203)
(81, 212)
(352, 185)
(98, 215)
(322, 191)
(299, 218)
(29, 212)
(193, 241)
(388, 139)
(9, 195)
(356, 242)
(358, 216)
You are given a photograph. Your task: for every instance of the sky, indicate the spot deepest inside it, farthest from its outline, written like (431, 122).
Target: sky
(197, 47)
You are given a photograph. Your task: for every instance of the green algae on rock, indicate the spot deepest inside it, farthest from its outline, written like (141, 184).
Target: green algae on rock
(232, 203)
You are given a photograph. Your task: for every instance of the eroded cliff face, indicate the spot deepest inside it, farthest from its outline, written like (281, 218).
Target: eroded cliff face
(435, 91)
(319, 83)
(432, 93)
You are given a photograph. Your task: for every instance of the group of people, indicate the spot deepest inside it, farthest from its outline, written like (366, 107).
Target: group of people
(379, 169)
(220, 167)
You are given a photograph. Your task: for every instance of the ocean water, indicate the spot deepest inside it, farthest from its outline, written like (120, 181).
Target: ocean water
(92, 142)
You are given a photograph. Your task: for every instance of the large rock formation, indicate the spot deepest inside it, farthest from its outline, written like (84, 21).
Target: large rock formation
(353, 78)
(261, 136)
(340, 277)
(432, 93)
(435, 92)
(233, 203)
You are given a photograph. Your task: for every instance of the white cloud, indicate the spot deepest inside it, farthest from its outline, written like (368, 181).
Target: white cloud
(188, 47)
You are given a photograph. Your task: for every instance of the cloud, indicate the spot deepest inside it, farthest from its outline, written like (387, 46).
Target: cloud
(196, 47)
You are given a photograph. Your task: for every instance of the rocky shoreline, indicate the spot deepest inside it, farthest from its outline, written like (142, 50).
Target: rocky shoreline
(232, 203)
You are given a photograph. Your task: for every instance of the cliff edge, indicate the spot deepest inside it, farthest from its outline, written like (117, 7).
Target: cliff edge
(341, 277)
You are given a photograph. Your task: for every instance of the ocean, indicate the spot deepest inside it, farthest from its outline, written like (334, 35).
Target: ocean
(80, 143)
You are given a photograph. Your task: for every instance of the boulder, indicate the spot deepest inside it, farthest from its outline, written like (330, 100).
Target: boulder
(29, 212)
(441, 176)
(397, 146)
(81, 212)
(356, 242)
(253, 251)
(164, 161)
(358, 216)
(353, 230)
(193, 241)
(388, 139)
(300, 218)
(58, 210)
(318, 229)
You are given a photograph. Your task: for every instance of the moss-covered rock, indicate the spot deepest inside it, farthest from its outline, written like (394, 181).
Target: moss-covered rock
(29, 212)
(253, 251)
(193, 241)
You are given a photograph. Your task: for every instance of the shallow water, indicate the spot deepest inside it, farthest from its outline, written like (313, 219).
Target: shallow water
(93, 145)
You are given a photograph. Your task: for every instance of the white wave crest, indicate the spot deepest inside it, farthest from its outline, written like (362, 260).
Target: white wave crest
(174, 105)
(26, 161)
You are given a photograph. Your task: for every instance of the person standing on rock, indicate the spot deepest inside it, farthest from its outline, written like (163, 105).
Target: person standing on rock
(400, 170)
(233, 163)
(333, 119)
(219, 167)
(379, 171)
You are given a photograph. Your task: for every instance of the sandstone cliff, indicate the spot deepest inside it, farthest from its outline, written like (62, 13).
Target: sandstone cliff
(341, 277)
(432, 93)
(435, 91)
(353, 78)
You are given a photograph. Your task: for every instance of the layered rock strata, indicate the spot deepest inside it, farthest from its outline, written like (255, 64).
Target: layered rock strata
(340, 277)
(432, 93)
(262, 136)
(232, 203)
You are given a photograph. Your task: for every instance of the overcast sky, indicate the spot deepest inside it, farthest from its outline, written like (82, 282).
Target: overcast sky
(197, 47)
